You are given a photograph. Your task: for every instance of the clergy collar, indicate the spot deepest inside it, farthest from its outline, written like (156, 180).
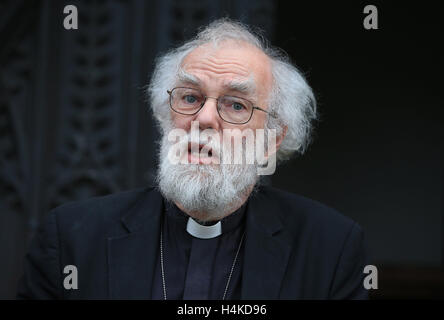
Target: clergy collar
(205, 231)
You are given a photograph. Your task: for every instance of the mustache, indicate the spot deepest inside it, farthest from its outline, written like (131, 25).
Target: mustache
(201, 143)
(230, 147)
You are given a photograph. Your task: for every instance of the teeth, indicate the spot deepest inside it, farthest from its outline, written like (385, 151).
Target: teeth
(197, 155)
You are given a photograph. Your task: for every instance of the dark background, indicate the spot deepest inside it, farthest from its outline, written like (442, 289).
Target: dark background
(74, 122)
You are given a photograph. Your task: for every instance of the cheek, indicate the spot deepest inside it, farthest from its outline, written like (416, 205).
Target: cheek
(180, 121)
(258, 120)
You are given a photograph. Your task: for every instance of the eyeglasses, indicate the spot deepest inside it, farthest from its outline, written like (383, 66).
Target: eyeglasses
(235, 110)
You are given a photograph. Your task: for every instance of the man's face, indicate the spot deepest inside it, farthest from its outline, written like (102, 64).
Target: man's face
(216, 69)
(230, 69)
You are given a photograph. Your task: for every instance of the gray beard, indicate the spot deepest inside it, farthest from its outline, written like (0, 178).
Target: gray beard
(207, 192)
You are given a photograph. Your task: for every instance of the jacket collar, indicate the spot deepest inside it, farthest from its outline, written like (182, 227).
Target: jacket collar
(267, 248)
(132, 256)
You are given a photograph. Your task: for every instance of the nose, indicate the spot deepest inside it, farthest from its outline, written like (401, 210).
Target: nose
(208, 116)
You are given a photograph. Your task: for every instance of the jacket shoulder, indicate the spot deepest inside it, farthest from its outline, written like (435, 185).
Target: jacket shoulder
(328, 246)
(101, 211)
(297, 210)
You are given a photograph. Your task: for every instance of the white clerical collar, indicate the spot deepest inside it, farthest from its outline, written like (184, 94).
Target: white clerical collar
(203, 232)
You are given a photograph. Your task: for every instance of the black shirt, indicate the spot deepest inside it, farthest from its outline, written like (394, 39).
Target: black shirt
(198, 269)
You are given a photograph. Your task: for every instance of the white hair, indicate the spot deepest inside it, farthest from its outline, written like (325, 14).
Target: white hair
(291, 98)
(208, 192)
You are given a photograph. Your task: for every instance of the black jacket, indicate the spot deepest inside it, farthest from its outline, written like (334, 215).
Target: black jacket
(295, 248)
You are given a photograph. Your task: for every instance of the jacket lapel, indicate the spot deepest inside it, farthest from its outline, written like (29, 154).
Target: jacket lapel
(266, 249)
(132, 256)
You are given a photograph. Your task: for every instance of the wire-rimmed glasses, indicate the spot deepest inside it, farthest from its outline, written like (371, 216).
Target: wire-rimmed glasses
(235, 110)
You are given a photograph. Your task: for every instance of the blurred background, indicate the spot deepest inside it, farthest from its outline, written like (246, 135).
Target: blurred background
(74, 122)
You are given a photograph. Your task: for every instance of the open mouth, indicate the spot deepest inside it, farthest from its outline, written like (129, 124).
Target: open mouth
(197, 149)
(197, 155)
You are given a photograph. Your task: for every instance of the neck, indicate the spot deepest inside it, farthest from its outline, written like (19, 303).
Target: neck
(203, 218)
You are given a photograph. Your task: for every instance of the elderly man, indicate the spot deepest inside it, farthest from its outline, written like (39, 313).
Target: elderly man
(209, 229)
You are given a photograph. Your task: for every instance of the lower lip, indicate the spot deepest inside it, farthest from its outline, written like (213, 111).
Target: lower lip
(199, 160)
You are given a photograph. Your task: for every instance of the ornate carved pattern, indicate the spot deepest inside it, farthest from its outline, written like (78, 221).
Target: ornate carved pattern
(88, 149)
(14, 97)
(72, 123)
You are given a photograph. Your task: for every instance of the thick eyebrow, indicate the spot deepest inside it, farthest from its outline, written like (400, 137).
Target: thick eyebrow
(247, 87)
(186, 77)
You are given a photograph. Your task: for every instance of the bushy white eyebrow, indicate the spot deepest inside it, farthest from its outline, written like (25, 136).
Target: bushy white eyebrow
(186, 77)
(242, 86)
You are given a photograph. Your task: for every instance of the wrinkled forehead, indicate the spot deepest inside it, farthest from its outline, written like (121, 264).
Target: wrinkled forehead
(229, 62)
(239, 84)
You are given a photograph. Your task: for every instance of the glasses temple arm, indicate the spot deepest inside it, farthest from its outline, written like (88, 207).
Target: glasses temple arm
(273, 114)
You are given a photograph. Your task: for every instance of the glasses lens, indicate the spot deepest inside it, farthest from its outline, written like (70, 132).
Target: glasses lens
(186, 100)
(235, 110)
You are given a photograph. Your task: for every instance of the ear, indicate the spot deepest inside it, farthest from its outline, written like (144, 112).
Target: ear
(279, 140)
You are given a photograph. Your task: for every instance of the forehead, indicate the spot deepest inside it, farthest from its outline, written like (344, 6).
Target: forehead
(229, 60)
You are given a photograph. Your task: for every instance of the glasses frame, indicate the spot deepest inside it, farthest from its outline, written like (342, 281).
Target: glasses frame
(217, 105)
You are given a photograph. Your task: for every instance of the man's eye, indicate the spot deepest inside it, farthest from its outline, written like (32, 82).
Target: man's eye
(237, 106)
(190, 99)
